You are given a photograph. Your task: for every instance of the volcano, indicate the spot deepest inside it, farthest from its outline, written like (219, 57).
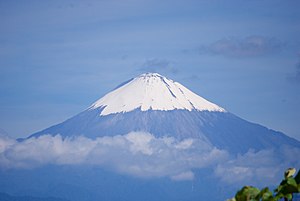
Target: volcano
(149, 139)
(155, 104)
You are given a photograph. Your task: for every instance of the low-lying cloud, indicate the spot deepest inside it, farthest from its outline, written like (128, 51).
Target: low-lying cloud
(250, 46)
(143, 155)
(259, 168)
(137, 153)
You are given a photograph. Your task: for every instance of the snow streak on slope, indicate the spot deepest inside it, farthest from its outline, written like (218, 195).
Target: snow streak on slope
(152, 91)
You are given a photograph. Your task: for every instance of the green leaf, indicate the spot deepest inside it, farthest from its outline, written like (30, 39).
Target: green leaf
(289, 196)
(286, 189)
(266, 195)
(290, 186)
(278, 196)
(292, 182)
(247, 193)
(279, 188)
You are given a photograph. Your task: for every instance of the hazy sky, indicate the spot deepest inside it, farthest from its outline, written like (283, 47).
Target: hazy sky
(58, 57)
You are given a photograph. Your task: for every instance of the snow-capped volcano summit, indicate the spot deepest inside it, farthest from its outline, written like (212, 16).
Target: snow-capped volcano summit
(152, 91)
(155, 104)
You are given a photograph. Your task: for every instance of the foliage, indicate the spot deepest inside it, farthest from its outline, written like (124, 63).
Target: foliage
(287, 188)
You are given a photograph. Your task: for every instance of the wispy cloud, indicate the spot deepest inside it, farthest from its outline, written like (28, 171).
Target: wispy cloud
(251, 46)
(158, 65)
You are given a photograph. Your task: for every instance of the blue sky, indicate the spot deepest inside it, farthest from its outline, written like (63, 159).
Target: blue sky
(58, 57)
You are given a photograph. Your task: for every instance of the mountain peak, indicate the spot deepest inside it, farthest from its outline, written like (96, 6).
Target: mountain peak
(149, 75)
(152, 91)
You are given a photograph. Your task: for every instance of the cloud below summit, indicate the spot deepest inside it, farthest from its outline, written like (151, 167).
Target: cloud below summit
(142, 155)
(137, 154)
(258, 168)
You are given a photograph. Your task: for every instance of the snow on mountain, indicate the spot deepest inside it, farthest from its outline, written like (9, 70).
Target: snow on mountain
(152, 91)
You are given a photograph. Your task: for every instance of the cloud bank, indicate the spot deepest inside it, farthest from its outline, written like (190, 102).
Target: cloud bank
(259, 168)
(142, 155)
(138, 154)
(251, 46)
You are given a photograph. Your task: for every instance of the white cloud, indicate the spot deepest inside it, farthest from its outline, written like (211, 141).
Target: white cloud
(140, 142)
(137, 153)
(183, 176)
(143, 155)
(259, 168)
